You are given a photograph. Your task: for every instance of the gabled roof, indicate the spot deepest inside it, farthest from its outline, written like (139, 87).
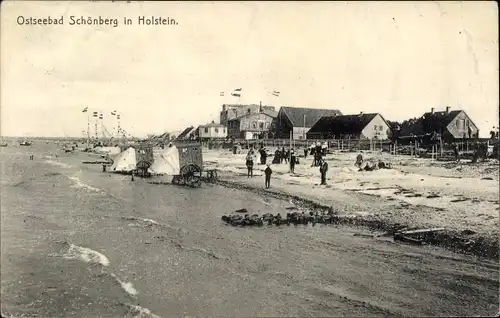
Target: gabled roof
(212, 124)
(296, 115)
(439, 119)
(344, 124)
(185, 132)
(269, 113)
(431, 122)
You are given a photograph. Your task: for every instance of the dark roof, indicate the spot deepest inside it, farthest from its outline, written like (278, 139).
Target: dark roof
(185, 132)
(431, 122)
(312, 115)
(441, 118)
(271, 113)
(343, 124)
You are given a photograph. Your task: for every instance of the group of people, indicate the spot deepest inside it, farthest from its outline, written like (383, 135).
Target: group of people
(294, 218)
(281, 155)
(317, 150)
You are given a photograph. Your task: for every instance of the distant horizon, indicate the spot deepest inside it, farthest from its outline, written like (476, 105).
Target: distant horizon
(482, 134)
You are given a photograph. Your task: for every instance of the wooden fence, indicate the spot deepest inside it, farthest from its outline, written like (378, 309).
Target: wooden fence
(412, 148)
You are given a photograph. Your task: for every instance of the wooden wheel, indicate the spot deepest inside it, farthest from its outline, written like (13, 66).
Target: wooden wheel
(191, 175)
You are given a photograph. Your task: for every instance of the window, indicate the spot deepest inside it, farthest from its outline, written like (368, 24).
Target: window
(206, 130)
(261, 125)
(254, 124)
(216, 130)
(461, 124)
(223, 130)
(267, 125)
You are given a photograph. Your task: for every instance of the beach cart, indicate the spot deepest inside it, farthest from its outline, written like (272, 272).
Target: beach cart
(144, 159)
(190, 164)
(183, 160)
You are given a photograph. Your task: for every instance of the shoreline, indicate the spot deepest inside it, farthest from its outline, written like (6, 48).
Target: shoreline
(464, 241)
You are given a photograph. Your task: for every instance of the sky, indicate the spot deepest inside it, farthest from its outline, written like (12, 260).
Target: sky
(394, 58)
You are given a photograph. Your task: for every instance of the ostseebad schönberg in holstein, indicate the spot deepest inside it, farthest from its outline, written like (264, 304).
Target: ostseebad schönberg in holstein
(71, 20)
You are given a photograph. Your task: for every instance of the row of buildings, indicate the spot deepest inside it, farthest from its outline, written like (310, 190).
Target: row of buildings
(264, 122)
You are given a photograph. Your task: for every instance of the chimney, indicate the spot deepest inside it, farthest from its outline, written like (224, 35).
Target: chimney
(432, 110)
(447, 110)
(360, 113)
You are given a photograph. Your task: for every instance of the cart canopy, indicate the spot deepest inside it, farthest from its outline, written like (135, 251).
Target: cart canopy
(167, 163)
(125, 161)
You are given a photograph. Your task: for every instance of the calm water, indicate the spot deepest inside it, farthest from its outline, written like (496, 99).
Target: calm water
(77, 242)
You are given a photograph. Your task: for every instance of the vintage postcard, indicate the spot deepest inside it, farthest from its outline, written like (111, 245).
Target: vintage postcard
(249, 158)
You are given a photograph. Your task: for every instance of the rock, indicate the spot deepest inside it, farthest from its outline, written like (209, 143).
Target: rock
(241, 211)
(468, 232)
(433, 195)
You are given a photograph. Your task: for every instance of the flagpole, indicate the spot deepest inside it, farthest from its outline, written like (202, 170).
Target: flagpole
(96, 135)
(88, 129)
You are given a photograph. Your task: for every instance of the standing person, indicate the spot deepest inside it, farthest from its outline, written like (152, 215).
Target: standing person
(264, 156)
(261, 152)
(324, 148)
(359, 160)
(292, 161)
(305, 152)
(268, 173)
(249, 165)
(323, 169)
(455, 150)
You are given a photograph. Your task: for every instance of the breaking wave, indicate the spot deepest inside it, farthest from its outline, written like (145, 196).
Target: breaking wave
(59, 164)
(90, 256)
(80, 184)
(127, 287)
(139, 311)
(86, 254)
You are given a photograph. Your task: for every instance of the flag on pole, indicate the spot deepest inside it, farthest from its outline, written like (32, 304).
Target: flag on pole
(221, 93)
(275, 93)
(94, 114)
(85, 109)
(236, 92)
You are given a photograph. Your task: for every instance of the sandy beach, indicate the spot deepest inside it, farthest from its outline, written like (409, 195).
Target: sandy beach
(420, 193)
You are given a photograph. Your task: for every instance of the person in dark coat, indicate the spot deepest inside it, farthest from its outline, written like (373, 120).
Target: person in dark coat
(277, 157)
(323, 169)
(305, 152)
(268, 173)
(285, 154)
(249, 165)
(292, 161)
(455, 151)
(263, 156)
(359, 160)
